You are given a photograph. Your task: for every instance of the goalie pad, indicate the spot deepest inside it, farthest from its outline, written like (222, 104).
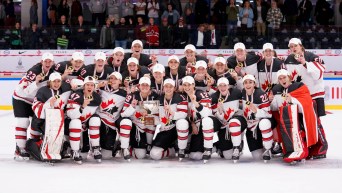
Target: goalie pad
(54, 132)
(293, 139)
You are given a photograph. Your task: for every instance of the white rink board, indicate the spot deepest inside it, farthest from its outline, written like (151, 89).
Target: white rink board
(22, 60)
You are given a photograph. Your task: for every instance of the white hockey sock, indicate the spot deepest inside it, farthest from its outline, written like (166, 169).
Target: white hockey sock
(182, 131)
(208, 132)
(267, 133)
(125, 131)
(235, 131)
(21, 131)
(94, 131)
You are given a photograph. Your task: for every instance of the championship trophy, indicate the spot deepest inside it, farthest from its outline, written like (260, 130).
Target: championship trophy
(152, 108)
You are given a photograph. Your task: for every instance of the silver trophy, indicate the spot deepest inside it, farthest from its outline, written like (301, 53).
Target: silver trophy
(152, 108)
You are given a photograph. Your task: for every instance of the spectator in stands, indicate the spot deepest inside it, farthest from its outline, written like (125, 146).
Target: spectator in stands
(2, 14)
(152, 34)
(64, 9)
(127, 10)
(165, 34)
(140, 31)
(274, 17)
(76, 10)
(198, 37)
(190, 19)
(218, 12)
(16, 37)
(10, 16)
(246, 15)
(180, 34)
(113, 10)
(107, 36)
(33, 12)
(171, 14)
(140, 9)
(63, 33)
(212, 39)
(305, 8)
(323, 12)
(232, 11)
(260, 14)
(81, 32)
(189, 5)
(33, 37)
(202, 10)
(121, 34)
(290, 11)
(153, 10)
(52, 9)
(97, 9)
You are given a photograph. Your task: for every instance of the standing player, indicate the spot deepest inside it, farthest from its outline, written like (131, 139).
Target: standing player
(174, 70)
(173, 111)
(190, 59)
(229, 124)
(221, 70)
(81, 109)
(134, 121)
(133, 74)
(116, 61)
(308, 68)
(256, 110)
(157, 80)
(203, 81)
(71, 69)
(199, 105)
(137, 48)
(35, 78)
(112, 98)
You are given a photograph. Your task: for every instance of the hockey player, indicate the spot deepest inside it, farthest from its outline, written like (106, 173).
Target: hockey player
(116, 61)
(173, 111)
(71, 69)
(138, 124)
(133, 74)
(99, 70)
(199, 105)
(55, 95)
(267, 69)
(229, 124)
(221, 70)
(288, 97)
(137, 48)
(35, 78)
(190, 59)
(243, 62)
(256, 110)
(81, 109)
(203, 81)
(308, 68)
(112, 98)
(158, 74)
(174, 70)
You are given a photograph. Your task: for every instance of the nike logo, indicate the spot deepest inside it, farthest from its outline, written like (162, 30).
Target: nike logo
(22, 52)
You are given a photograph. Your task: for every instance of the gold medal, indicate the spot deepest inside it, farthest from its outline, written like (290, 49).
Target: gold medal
(128, 79)
(231, 70)
(248, 102)
(283, 95)
(221, 100)
(240, 64)
(296, 56)
(89, 97)
(269, 86)
(96, 77)
(70, 68)
(42, 75)
(57, 96)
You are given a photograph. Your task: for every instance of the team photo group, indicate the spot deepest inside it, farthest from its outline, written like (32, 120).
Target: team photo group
(129, 106)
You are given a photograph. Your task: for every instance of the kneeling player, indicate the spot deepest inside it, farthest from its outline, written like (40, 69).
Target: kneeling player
(199, 104)
(230, 125)
(81, 110)
(52, 96)
(113, 99)
(139, 121)
(173, 111)
(291, 99)
(256, 110)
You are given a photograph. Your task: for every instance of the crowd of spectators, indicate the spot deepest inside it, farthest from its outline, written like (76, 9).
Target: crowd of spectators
(158, 23)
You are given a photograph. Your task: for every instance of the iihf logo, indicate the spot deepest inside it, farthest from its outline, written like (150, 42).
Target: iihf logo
(20, 64)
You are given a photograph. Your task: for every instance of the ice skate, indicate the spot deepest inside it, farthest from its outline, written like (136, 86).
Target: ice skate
(276, 150)
(126, 154)
(65, 152)
(21, 154)
(266, 156)
(206, 155)
(181, 154)
(97, 154)
(77, 157)
(236, 154)
(241, 147)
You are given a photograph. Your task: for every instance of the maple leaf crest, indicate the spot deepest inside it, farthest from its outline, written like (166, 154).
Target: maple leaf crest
(265, 85)
(138, 114)
(164, 120)
(293, 74)
(106, 104)
(246, 112)
(86, 117)
(227, 114)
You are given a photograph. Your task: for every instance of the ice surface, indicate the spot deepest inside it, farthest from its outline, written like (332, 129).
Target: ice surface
(169, 175)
